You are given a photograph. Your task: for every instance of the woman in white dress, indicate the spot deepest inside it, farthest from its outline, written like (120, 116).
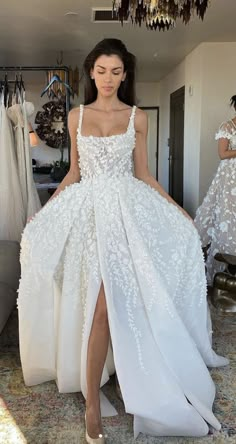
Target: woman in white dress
(216, 217)
(113, 258)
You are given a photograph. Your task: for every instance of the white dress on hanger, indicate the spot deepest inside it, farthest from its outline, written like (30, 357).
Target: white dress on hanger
(33, 203)
(15, 114)
(12, 217)
(114, 228)
(216, 217)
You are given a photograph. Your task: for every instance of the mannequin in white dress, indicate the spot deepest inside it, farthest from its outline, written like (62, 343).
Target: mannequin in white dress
(113, 257)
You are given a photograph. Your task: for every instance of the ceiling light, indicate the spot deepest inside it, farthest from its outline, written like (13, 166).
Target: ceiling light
(159, 14)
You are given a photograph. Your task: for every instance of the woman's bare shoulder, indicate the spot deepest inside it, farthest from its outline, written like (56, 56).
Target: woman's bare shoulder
(141, 120)
(141, 113)
(73, 117)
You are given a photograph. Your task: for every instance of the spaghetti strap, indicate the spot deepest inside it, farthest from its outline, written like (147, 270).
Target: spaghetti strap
(131, 119)
(133, 112)
(81, 110)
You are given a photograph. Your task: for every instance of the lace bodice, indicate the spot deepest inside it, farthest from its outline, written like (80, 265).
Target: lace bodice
(227, 130)
(109, 156)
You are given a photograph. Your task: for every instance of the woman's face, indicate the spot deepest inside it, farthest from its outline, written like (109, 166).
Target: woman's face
(108, 73)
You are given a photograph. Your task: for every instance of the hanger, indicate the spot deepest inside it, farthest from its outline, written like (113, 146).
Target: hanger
(5, 90)
(16, 86)
(54, 79)
(21, 83)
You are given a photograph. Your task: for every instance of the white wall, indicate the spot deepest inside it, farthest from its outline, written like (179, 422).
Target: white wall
(219, 84)
(192, 128)
(210, 82)
(208, 74)
(148, 94)
(172, 82)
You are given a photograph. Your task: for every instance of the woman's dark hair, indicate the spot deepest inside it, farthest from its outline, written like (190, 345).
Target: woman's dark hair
(126, 91)
(233, 102)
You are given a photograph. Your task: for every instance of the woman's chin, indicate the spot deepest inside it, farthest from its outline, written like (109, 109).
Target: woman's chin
(107, 92)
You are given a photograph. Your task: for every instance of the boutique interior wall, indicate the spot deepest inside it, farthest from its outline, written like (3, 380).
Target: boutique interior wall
(218, 86)
(147, 95)
(35, 83)
(208, 74)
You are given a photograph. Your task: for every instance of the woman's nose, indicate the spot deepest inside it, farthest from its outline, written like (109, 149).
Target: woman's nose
(108, 77)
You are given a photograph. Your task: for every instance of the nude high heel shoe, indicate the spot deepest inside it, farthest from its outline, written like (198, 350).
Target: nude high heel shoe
(99, 440)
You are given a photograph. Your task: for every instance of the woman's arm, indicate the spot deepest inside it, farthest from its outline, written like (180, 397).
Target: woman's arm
(141, 160)
(223, 149)
(73, 174)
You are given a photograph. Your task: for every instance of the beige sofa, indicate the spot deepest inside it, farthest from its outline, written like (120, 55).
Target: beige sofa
(9, 278)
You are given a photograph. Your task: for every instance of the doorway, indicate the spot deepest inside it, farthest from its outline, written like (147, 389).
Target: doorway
(176, 145)
(152, 138)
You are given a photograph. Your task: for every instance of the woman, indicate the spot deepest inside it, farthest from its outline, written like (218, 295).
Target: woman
(112, 256)
(216, 217)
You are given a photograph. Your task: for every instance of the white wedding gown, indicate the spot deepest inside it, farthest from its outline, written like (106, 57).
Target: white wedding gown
(216, 217)
(18, 114)
(33, 201)
(114, 228)
(12, 217)
(15, 115)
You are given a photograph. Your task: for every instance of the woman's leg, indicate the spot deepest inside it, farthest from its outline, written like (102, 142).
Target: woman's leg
(96, 357)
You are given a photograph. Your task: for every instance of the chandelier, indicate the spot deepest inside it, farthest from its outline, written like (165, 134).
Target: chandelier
(159, 14)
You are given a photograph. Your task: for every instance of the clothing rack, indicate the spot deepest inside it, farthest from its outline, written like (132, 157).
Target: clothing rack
(45, 68)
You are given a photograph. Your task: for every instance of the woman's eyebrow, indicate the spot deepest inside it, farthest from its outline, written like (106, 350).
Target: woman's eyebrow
(117, 67)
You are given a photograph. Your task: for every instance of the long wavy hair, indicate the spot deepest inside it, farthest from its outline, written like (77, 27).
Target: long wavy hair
(233, 102)
(126, 91)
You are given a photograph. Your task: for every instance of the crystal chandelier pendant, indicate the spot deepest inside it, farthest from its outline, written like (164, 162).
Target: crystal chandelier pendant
(159, 14)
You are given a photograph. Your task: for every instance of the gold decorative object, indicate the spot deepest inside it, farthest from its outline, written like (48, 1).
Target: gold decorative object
(159, 14)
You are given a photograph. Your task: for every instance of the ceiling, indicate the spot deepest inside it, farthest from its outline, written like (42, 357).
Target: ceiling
(34, 32)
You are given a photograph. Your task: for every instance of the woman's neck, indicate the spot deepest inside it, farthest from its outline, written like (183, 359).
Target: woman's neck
(107, 103)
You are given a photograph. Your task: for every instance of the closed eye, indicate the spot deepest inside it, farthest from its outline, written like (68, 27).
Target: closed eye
(103, 72)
